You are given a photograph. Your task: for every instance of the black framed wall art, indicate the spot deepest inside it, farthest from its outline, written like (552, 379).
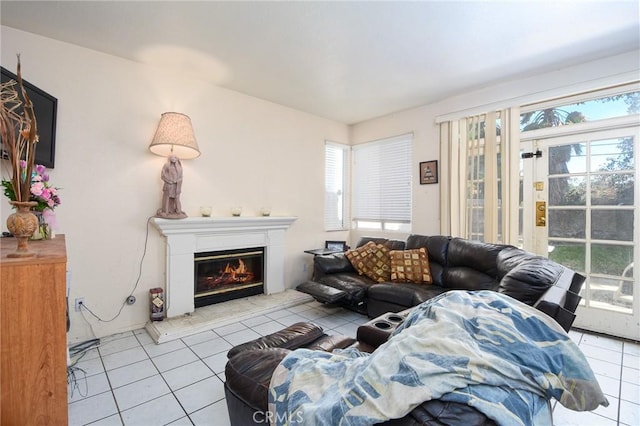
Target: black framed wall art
(428, 172)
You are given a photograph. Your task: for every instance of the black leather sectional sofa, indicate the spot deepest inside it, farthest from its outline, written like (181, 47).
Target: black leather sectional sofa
(455, 263)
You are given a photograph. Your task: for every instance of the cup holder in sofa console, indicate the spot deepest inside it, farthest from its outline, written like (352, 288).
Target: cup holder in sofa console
(382, 325)
(377, 331)
(395, 318)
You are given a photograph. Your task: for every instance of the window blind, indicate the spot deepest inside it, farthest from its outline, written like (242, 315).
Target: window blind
(334, 183)
(382, 180)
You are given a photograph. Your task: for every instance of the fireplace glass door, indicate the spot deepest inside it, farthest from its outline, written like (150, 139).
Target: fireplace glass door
(227, 275)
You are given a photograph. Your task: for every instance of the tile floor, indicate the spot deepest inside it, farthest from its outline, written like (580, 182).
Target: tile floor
(131, 380)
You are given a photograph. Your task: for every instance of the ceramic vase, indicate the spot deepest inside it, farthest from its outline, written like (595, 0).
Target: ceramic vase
(22, 224)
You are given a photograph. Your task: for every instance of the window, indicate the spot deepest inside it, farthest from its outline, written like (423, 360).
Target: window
(580, 109)
(382, 184)
(484, 177)
(335, 163)
(480, 197)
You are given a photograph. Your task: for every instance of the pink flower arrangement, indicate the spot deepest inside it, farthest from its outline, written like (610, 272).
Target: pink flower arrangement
(40, 191)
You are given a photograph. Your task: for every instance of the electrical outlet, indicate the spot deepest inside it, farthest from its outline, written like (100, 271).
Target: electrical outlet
(79, 301)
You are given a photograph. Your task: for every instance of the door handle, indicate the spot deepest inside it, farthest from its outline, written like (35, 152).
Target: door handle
(541, 213)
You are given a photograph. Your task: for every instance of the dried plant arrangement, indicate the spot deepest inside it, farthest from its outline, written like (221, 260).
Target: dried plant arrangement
(19, 133)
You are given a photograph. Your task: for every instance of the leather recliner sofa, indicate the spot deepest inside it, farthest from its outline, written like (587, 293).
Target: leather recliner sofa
(250, 367)
(455, 264)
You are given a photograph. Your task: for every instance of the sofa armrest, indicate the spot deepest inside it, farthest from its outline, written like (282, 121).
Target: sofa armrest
(329, 343)
(331, 264)
(534, 278)
(295, 336)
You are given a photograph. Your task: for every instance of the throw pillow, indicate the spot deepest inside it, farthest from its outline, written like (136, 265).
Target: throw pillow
(356, 255)
(410, 266)
(377, 265)
(371, 260)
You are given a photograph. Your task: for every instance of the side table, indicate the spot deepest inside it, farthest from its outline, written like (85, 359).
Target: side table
(322, 251)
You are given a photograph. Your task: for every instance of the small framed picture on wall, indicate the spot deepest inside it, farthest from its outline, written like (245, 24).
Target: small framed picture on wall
(428, 172)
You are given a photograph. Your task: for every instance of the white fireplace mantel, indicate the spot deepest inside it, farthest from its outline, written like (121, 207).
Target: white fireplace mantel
(191, 235)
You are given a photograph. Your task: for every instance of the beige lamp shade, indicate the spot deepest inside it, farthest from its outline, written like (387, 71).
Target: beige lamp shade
(175, 136)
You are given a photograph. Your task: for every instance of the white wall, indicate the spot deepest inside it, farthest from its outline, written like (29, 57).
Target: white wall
(611, 71)
(254, 153)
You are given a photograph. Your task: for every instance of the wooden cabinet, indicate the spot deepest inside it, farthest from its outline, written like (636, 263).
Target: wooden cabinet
(33, 335)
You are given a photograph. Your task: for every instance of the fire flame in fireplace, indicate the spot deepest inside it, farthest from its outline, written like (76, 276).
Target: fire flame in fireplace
(232, 275)
(241, 273)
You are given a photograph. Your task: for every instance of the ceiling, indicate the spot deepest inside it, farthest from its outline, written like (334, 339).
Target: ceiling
(346, 61)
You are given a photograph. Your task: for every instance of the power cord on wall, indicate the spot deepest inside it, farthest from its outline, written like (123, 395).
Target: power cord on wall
(83, 305)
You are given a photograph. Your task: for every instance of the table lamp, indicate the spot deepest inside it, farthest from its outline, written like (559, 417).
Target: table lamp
(175, 140)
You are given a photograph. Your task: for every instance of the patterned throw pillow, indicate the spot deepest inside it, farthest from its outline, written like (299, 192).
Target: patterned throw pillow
(357, 255)
(371, 260)
(378, 264)
(410, 266)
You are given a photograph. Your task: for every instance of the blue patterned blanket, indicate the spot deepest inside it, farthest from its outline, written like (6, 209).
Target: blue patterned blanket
(481, 348)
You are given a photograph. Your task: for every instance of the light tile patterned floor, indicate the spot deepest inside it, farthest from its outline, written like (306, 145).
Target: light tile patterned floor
(131, 380)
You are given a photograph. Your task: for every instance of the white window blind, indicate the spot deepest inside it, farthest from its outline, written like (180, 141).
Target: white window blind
(336, 156)
(382, 180)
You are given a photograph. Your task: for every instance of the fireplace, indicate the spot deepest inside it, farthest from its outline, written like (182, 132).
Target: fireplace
(186, 237)
(227, 275)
